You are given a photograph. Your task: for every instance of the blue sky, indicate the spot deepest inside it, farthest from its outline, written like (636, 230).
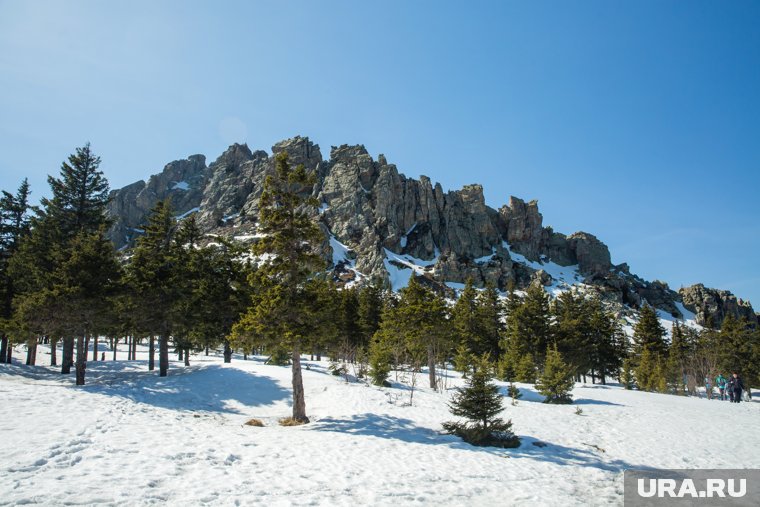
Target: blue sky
(636, 121)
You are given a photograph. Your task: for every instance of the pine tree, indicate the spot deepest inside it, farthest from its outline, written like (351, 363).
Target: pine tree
(422, 323)
(464, 318)
(84, 282)
(80, 195)
(14, 226)
(283, 311)
(528, 324)
(463, 360)
(489, 315)
(370, 311)
(151, 278)
(648, 333)
(380, 357)
(556, 381)
(76, 213)
(480, 403)
(678, 356)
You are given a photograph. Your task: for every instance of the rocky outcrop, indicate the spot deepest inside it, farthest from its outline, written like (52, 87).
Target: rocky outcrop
(711, 306)
(375, 211)
(182, 181)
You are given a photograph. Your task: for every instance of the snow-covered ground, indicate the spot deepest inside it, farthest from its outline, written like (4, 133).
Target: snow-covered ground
(132, 438)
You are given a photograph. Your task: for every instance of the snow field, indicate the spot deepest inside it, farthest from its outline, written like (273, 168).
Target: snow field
(132, 438)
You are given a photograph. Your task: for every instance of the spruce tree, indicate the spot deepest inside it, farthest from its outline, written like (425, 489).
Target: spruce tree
(464, 319)
(480, 402)
(648, 333)
(14, 226)
(380, 358)
(151, 279)
(422, 322)
(489, 313)
(370, 310)
(283, 309)
(556, 381)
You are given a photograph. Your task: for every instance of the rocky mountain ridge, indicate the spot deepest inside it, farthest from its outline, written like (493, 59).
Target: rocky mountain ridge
(378, 223)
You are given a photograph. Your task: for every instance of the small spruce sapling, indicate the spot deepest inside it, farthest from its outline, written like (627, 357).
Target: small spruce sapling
(480, 403)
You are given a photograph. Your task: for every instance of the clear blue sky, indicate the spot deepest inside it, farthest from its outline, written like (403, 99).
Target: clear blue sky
(636, 121)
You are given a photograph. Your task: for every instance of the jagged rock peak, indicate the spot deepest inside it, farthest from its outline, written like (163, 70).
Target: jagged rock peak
(712, 306)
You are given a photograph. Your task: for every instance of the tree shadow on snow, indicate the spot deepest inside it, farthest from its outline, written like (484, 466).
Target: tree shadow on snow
(383, 426)
(587, 401)
(571, 456)
(211, 388)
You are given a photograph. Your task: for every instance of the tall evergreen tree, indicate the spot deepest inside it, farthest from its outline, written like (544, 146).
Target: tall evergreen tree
(489, 312)
(151, 278)
(648, 333)
(422, 322)
(14, 225)
(283, 309)
(80, 195)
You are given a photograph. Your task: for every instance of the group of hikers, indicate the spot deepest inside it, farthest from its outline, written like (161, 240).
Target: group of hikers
(731, 388)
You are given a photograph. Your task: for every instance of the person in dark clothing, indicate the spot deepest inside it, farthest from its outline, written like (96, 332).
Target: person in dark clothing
(735, 387)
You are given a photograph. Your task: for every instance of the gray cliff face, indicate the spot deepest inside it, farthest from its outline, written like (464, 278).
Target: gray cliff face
(715, 305)
(183, 181)
(373, 209)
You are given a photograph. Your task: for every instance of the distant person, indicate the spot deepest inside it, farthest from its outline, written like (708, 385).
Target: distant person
(736, 387)
(720, 383)
(708, 388)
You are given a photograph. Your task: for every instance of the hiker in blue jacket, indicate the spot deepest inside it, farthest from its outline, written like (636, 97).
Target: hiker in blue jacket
(720, 383)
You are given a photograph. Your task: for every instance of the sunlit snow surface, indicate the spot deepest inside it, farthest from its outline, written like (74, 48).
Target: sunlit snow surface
(132, 438)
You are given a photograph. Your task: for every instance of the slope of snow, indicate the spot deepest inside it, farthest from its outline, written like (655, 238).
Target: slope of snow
(130, 437)
(187, 213)
(563, 277)
(180, 185)
(399, 276)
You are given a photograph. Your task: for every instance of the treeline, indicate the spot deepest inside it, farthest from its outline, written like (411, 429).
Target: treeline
(61, 281)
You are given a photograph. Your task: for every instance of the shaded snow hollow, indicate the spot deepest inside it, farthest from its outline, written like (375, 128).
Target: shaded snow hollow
(132, 438)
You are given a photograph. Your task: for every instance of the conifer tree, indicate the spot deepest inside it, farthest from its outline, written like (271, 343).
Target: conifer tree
(480, 402)
(648, 333)
(370, 311)
(556, 381)
(283, 309)
(489, 314)
(380, 358)
(464, 319)
(422, 323)
(14, 225)
(678, 356)
(151, 278)
(84, 282)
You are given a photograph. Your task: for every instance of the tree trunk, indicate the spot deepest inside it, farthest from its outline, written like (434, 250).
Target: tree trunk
(299, 404)
(66, 353)
(227, 352)
(115, 346)
(180, 350)
(129, 347)
(95, 349)
(31, 352)
(81, 360)
(3, 348)
(134, 348)
(9, 357)
(206, 349)
(187, 356)
(53, 352)
(163, 354)
(86, 347)
(431, 367)
(151, 353)
(245, 356)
